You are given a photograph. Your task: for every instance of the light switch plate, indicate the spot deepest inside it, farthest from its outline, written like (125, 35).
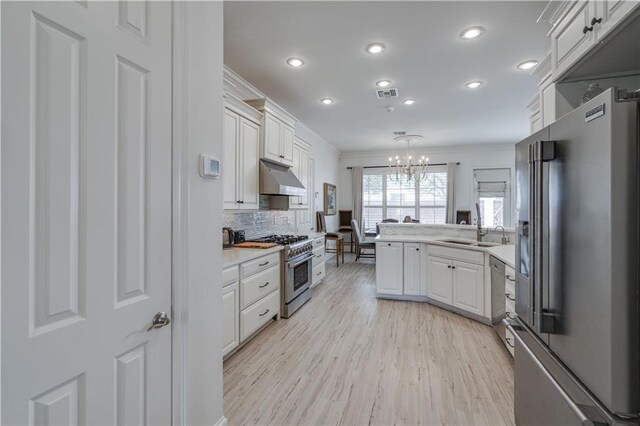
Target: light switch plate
(209, 166)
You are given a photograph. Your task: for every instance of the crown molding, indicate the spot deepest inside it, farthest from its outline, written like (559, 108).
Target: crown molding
(555, 11)
(233, 83)
(266, 105)
(534, 104)
(544, 67)
(239, 106)
(442, 149)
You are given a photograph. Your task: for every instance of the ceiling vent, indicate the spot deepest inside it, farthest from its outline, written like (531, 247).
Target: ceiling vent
(399, 133)
(387, 93)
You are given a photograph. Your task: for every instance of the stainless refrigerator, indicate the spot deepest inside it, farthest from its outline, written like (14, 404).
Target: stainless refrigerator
(577, 326)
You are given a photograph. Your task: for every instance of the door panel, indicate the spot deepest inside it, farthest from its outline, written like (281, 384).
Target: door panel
(389, 268)
(272, 130)
(593, 286)
(86, 212)
(249, 147)
(286, 144)
(412, 269)
(440, 282)
(468, 287)
(230, 175)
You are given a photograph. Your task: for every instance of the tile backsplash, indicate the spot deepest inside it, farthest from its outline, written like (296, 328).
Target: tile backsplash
(259, 223)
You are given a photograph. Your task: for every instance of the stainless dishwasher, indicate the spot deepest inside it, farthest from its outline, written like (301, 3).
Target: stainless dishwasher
(497, 297)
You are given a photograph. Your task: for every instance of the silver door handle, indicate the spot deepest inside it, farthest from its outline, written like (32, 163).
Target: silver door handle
(159, 320)
(264, 285)
(584, 419)
(293, 265)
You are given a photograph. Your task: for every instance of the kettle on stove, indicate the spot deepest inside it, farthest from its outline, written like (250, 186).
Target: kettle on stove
(228, 238)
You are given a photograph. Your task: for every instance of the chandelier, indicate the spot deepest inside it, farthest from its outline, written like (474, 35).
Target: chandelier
(405, 167)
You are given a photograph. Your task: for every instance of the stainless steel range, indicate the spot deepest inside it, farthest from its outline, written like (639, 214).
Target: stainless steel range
(296, 272)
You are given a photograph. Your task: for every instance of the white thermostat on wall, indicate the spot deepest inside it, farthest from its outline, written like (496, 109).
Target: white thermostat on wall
(209, 167)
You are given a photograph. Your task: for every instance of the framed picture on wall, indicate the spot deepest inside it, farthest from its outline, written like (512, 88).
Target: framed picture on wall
(329, 199)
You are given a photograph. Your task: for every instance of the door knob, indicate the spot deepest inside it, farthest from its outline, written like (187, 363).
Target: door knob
(159, 320)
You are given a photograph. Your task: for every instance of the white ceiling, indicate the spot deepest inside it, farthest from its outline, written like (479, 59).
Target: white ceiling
(425, 59)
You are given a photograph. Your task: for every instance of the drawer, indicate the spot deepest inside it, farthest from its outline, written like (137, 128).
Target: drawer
(319, 256)
(318, 274)
(509, 273)
(510, 306)
(230, 275)
(510, 287)
(259, 285)
(258, 314)
(318, 242)
(510, 341)
(260, 264)
(471, 256)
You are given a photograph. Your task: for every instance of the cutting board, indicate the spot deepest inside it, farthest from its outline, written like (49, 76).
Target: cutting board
(255, 245)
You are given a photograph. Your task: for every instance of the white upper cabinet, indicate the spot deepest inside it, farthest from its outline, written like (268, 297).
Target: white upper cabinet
(278, 132)
(300, 169)
(241, 155)
(582, 28)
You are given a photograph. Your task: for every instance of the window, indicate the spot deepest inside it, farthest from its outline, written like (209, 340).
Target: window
(492, 193)
(384, 198)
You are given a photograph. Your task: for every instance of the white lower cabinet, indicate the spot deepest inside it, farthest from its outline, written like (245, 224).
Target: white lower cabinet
(258, 314)
(412, 268)
(440, 280)
(230, 317)
(468, 287)
(389, 268)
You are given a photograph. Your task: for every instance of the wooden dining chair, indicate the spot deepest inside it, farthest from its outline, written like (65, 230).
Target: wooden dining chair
(338, 239)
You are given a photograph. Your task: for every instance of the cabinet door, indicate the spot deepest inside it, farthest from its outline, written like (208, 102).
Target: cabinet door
(304, 178)
(230, 318)
(568, 40)
(271, 148)
(468, 287)
(230, 157)
(412, 269)
(611, 12)
(389, 268)
(440, 280)
(287, 135)
(249, 164)
(294, 202)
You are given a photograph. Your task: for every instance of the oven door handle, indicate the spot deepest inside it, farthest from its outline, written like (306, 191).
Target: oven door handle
(293, 265)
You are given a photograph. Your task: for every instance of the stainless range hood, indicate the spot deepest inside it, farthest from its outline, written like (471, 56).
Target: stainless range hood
(276, 179)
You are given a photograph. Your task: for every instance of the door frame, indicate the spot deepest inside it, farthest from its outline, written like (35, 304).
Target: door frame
(179, 214)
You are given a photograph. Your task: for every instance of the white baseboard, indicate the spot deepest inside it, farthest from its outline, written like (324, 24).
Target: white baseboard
(222, 422)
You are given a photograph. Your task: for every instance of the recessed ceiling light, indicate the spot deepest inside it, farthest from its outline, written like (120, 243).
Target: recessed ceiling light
(527, 65)
(375, 48)
(326, 101)
(295, 62)
(383, 83)
(409, 101)
(473, 84)
(471, 33)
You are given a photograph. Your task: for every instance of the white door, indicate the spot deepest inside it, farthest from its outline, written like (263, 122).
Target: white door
(439, 282)
(271, 148)
(389, 268)
(86, 212)
(230, 173)
(412, 269)
(249, 161)
(468, 287)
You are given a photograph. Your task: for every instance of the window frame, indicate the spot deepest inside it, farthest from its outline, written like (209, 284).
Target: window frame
(384, 172)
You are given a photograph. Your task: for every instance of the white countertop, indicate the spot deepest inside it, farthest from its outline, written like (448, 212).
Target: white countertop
(506, 253)
(234, 256)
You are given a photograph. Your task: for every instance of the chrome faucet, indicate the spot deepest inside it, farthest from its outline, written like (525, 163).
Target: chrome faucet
(505, 239)
(480, 233)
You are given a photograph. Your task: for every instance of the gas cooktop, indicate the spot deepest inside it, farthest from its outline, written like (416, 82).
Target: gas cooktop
(283, 240)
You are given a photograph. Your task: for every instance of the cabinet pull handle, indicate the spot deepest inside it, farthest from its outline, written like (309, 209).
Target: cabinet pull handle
(453, 267)
(264, 313)
(509, 278)
(389, 244)
(508, 340)
(586, 29)
(319, 273)
(264, 285)
(508, 296)
(595, 21)
(449, 266)
(508, 315)
(264, 264)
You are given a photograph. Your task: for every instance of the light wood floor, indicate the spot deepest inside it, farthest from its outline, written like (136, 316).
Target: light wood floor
(349, 358)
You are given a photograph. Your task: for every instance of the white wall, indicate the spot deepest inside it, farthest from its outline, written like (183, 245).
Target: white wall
(470, 157)
(201, 207)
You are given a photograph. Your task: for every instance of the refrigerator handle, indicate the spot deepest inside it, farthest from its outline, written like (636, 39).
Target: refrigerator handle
(514, 327)
(540, 153)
